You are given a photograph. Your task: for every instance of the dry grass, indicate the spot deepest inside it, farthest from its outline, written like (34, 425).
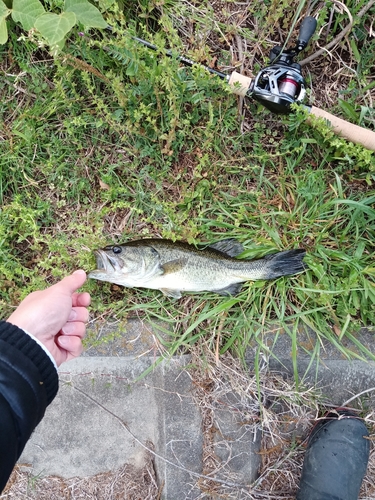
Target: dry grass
(127, 482)
(270, 405)
(266, 405)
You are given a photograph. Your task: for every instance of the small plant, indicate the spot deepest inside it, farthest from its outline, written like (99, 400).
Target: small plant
(51, 27)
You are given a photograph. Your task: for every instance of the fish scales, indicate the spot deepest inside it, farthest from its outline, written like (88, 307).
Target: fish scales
(210, 264)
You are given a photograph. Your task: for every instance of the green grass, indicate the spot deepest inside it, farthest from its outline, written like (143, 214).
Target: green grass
(110, 142)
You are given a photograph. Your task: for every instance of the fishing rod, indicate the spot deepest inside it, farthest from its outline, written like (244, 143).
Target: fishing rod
(281, 84)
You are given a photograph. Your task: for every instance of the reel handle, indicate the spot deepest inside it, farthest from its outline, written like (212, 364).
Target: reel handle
(306, 31)
(353, 133)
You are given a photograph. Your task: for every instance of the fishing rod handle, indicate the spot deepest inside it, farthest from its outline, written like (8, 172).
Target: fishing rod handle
(240, 83)
(353, 133)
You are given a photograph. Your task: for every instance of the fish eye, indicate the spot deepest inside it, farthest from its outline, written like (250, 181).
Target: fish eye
(116, 249)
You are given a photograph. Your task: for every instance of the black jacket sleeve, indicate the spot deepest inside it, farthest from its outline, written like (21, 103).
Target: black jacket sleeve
(28, 384)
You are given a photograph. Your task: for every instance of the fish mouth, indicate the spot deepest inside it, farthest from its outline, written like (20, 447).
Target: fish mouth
(99, 261)
(104, 263)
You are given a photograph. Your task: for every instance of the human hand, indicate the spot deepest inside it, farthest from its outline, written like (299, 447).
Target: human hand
(56, 316)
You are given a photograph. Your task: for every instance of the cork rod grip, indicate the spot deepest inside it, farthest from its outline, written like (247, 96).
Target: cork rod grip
(353, 133)
(240, 83)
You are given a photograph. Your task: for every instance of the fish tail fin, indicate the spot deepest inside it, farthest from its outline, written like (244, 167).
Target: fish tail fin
(285, 263)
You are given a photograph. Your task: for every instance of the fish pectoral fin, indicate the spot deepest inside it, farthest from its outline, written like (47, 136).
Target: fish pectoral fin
(176, 294)
(173, 266)
(233, 289)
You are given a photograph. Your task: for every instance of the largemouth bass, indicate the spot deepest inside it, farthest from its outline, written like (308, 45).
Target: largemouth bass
(175, 267)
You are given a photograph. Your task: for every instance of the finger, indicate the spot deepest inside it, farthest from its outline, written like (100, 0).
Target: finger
(81, 299)
(74, 281)
(74, 328)
(71, 344)
(79, 314)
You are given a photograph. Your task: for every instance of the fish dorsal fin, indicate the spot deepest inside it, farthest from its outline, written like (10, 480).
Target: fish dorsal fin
(173, 266)
(230, 247)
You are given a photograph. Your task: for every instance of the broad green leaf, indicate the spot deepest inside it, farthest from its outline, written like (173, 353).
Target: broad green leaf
(4, 11)
(3, 31)
(26, 12)
(86, 13)
(54, 27)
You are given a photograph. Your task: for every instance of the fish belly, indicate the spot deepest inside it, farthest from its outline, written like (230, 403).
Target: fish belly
(202, 279)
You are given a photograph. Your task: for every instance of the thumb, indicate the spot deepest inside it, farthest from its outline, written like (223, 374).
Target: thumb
(74, 281)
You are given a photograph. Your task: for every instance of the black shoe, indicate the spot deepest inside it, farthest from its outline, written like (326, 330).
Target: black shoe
(336, 458)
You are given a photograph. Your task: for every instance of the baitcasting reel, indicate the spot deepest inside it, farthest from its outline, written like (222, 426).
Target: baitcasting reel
(281, 84)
